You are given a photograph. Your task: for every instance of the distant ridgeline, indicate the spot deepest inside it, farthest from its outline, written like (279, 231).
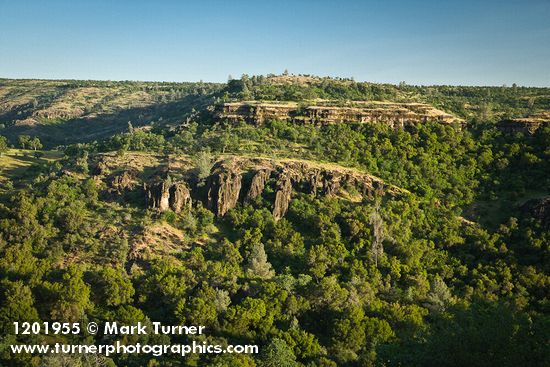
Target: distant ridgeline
(396, 115)
(393, 114)
(62, 112)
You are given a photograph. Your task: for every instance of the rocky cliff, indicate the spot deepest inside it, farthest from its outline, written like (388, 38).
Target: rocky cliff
(236, 180)
(224, 187)
(162, 194)
(396, 115)
(171, 183)
(526, 125)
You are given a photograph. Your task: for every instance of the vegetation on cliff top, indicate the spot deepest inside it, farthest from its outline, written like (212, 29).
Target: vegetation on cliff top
(455, 273)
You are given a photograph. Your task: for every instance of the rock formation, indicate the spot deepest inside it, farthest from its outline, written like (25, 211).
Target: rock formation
(257, 184)
(282, 196)
(179, 197)
(396, 115)
(224, 186)
(242, 179)
(157, 195)
(526, 125)
(123, 182)
(162, 194)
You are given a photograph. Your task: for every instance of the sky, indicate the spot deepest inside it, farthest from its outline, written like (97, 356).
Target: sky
(466, 42)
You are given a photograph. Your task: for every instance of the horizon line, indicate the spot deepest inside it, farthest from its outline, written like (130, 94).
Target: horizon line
(352, 79)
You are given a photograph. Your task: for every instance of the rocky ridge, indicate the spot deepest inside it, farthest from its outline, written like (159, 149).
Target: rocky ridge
(236, 180)
(527, 125)
(396, 115)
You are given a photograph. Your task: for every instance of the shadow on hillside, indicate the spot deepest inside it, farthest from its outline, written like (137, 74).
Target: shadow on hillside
(24, 111)
(90, 128)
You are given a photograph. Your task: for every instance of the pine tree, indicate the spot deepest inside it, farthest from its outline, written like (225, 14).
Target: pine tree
(379, 233)
(258, 265)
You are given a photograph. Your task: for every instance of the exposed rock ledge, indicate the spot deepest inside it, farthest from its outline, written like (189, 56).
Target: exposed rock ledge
(240, 179)
(396, 115)
(527, 125)
(162, 194)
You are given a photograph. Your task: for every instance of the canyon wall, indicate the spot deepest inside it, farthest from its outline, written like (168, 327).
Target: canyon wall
(396, 115)
(242, 180)
(526, 125)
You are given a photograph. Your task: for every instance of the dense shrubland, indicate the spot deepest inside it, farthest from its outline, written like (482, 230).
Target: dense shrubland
(434, 277)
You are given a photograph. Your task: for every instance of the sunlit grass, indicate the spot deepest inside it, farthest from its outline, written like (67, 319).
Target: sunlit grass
(16, 161)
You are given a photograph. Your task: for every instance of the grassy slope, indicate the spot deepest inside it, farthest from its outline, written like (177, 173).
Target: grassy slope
(62, 112)
(16, 161)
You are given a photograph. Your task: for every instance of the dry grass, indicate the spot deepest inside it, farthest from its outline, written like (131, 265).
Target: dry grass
(15, 161)
(156, 241)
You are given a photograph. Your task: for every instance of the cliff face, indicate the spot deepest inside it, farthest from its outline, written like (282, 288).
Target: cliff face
(224, 187)
(173, 185)
(396, 115)
(257, 185)
(162, 194)
(526, 125)
(242, 180)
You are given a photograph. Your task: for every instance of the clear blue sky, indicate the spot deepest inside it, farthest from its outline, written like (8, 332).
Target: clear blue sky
(473, 42)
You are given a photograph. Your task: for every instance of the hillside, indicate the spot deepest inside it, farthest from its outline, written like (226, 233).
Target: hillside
(330, 222)
(65, 112)
(62, 112)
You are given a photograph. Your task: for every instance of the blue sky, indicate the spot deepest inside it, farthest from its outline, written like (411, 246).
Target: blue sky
(421, 42)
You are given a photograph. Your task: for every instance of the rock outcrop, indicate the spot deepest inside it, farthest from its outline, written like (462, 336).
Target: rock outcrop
(179, 197)
(282, 196)
(526, 125)
(224, 186)
(396, 115)
(242, 180)
(124, 181)
(257, 184)
(162, 194)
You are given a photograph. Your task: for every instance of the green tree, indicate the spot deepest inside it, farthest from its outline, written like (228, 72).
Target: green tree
(35, 143)
(3, 145)
(24, 141)
(203, 164)
(258, 266)
(277, 354)
(17, 304)
(114, 288)
(71, 296)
